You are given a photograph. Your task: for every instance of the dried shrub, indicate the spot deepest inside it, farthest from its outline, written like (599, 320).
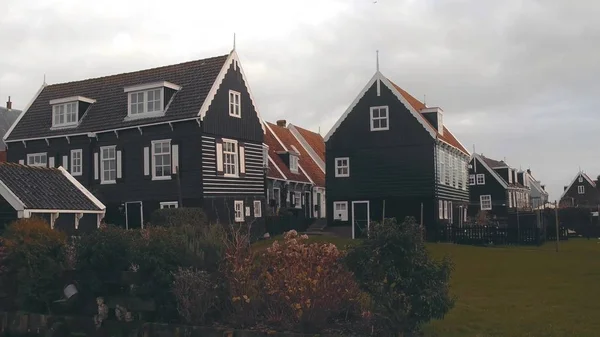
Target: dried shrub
(35, 259)
(176, 217)
(196, 295)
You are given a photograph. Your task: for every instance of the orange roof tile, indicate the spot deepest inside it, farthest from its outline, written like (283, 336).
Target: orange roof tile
(314, 140)
(447, 137)
(274, 147)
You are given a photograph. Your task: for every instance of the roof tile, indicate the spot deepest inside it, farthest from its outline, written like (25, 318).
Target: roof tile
(274, 147)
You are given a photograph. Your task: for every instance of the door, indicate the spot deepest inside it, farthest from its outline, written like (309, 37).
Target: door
(318, 205)
(307, 205)
(134, 217)
(360, 219)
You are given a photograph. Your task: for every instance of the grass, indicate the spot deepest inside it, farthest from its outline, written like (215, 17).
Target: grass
(516, 291)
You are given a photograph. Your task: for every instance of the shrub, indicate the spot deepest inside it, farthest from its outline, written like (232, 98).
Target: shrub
(35, 258)
(196, 295)
(174, 217)
(408, 288)
(206, 245)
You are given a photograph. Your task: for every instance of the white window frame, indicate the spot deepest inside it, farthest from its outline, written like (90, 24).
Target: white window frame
(581, 189)
(338, 167)
(445, 209)
(145, 113)
(76, 169)
(257, 208)
(169, 204)
(31, 159)
(234, 155)
(277, 196)
(62, 109)
(297, 199)
(238, 213)
(580, 179)
(265, 154)
(482, 180)
(471, 179)
(102, 163)
(344, 213)
(235, 107)
(450, 212)
(486, 198)
(294, 163)
(510, 200)
(169, 155)
(379, 118)
(441, 209)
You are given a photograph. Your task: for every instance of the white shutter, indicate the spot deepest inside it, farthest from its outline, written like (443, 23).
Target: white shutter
(146, 161)
(219, 157)
(96, 165)
(21, 161)
(119, 166)
(65, 162)
(51, 162)
(174, 158)
(242, 159)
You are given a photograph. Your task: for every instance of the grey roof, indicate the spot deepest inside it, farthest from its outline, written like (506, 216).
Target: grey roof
(45, 188)
(494, 163)
(195, 77)
(7, 118)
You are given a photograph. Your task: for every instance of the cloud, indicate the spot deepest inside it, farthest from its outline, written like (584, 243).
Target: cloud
(515, 78)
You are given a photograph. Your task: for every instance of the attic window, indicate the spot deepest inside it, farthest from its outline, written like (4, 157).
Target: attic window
(148, 100)
(379, 118)
(235, 109)
(293, 163)
(65, 111)
(580, 179)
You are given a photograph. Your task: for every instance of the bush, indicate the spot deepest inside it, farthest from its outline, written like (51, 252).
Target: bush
(408, 288)
(174, 217)
(206, 245)
(35, 259)
(196, 295)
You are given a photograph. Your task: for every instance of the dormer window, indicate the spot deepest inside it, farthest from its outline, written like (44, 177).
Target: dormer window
(67, 111)
(149, 100)
(235, 109)
(293, 163)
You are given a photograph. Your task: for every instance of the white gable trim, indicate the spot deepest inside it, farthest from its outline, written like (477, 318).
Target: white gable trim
(83, 190)
(233, 56)
(311, 152)
(275, 135)
(11, 198)
(306, 175)
(277, 167)
(490, 170)
(379, 77)
(573, 182)
(23, 113)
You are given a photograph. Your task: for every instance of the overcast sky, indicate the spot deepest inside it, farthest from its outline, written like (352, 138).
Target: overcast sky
(516, 78)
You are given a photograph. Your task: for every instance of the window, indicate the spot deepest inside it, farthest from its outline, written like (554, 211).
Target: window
(441, 210)
(442, 163)
(445, 209)
(340, 210)
(230, 158)
(342, 167)
(450, 212)
(471, 179)
(485, 202)
(148, 101)
(239, 210)
(580, 179)
(581, 189)
(277, 196)
(379, 118)
(257, 209)
(293, 163)
(448, 168)
(297, 199)
(161, 159)
(65, 114)
(510, 200)
(76, 162)
(235, 109)
(169, 204)
(465, 214)
(108, 165)
(37, 159)
(481, 179)
(265, 150)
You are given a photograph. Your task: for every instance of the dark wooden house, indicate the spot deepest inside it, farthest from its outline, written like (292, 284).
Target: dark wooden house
(184, 135)
(389, 155)
(581, 192)
(496, 188)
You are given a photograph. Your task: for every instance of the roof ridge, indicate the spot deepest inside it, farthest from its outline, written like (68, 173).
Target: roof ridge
(137, 71)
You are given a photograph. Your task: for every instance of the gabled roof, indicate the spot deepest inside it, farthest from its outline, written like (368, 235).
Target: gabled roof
(7, 119)
(199, 81)
(314, 140)
(494, 163)
(310, 160)
(579, 174)
(277, 168)
(495, 174)
(30, 188)
(413, 105)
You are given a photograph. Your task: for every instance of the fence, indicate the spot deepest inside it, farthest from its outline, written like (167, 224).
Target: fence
(504, 235)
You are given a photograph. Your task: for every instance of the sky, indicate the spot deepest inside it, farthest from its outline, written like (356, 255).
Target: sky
(517, 79)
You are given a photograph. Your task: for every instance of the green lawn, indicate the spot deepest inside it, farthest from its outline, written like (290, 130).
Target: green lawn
(518, 291)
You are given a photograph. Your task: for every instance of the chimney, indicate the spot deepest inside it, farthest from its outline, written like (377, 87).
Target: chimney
(281, 122)
(435, 116)
(9, 104)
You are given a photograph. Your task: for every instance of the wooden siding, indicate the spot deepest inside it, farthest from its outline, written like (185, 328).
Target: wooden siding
(591, 197)
(253, 183)
(492, 187)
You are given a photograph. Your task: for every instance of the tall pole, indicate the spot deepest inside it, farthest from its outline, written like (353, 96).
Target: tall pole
(556, 217)
(383, 215)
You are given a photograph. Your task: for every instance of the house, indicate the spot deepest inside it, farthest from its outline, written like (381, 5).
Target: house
(183, 135)
(581, 192)
(496, 188)
(390, 155)
(50, 193)
(288, 184)
(538, 194)
(8, 116)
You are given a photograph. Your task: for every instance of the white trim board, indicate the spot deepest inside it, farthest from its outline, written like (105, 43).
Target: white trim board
(574, 180)
(368, 215)
(23, 112)
(311, 152)
(72, 99)
(233, 57)
(502, 182)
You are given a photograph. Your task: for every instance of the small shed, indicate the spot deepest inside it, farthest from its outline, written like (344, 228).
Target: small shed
(51, 193)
